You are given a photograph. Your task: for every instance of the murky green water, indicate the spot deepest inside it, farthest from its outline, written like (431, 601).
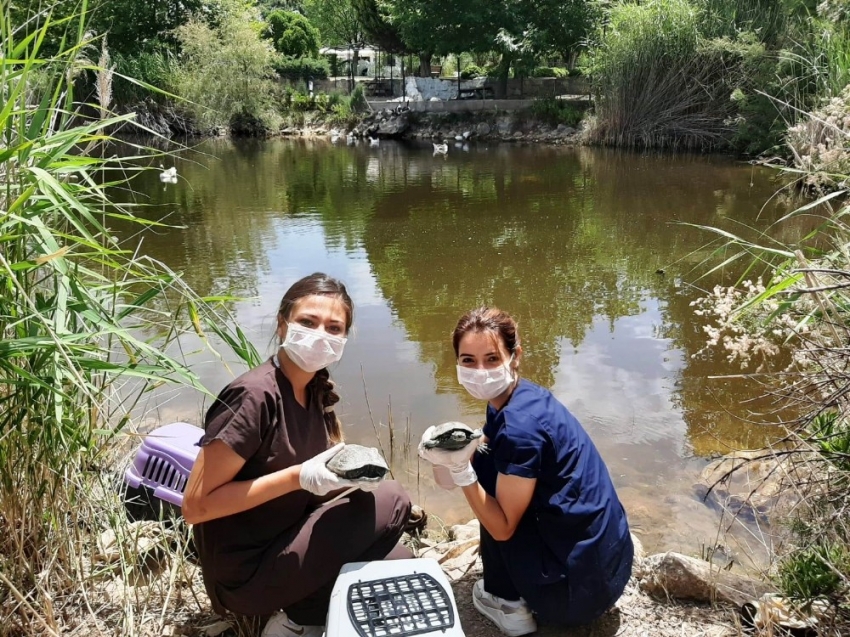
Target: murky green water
(569, 241)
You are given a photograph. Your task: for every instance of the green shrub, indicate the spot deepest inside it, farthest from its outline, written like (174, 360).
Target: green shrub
(358, 101)
(303, 68)
(472, 71)
(814, 572)
(830, 434)
(655, 82)
(226, 70)
(554, 112)
(90, 325)
(292, 34)
(154, 68)
(550, 71)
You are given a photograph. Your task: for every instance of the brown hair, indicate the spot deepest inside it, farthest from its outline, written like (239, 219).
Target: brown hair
(321, 284)
(487, 319)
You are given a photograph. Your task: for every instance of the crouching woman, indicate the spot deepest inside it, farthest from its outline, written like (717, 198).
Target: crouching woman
(555, 542)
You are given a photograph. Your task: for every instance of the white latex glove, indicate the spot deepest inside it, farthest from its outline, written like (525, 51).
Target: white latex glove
(457, 461)
(316, 478)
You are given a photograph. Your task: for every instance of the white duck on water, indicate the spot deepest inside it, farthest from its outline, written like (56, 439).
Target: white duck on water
(168, 175)
(440, 149)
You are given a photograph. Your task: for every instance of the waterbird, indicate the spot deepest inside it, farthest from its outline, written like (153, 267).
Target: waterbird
(168, 174)
(440, 149)
(374, 141)
(459, 138)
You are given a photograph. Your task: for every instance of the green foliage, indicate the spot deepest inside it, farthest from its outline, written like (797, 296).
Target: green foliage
(358, 100)
(156, 69)
(472, 71)
(830, 434)
(767, 19)
(134, 24)
(292, 34)
(377, 26)
(554, 112)
(303, 68)
(226, 70)
(87, 325)
(814, 572)
(550, 71)
(443, 26)
(267, 6)
(659, 82)
(337, 21)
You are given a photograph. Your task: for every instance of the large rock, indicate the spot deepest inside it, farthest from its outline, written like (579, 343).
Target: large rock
(505, 124)
(749, 484)
(483, 129)
(460, 553)
(394, 126)
(672, 575)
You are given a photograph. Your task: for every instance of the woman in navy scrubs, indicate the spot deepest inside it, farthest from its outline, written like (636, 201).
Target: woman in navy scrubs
(555, 541)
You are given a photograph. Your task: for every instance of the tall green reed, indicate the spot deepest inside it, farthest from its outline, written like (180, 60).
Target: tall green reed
(86, 323)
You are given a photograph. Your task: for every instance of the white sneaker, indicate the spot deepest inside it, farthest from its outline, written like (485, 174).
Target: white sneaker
(279, 625)
(512, 618)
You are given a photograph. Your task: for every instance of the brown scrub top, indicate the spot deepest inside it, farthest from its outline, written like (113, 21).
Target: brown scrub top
(258, 417)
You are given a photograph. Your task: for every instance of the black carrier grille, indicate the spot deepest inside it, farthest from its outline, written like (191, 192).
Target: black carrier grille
(397, 606)
(163, 473)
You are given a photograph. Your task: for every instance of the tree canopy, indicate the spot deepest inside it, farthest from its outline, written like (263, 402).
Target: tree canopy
(337, 21)
(292, 34)
(377, 26)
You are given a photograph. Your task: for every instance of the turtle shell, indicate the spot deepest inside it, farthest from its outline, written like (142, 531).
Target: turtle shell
(451, 436)
(356, 462)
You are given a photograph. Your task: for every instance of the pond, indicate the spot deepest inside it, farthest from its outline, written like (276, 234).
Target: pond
(594, 252)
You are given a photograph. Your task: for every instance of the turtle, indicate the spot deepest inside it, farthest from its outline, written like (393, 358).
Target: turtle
(451, 436)
(356, 462)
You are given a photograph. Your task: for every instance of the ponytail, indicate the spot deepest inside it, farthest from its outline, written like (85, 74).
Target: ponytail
(324, 391)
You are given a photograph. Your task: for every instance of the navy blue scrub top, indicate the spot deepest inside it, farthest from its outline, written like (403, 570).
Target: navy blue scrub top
(574, 507)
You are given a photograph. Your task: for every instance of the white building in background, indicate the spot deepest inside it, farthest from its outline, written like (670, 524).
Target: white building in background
(367, 59)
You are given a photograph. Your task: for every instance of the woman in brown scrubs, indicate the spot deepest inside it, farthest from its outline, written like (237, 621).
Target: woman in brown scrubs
(267, 543)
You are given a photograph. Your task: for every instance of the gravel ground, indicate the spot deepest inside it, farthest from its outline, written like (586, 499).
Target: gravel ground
(635, 615)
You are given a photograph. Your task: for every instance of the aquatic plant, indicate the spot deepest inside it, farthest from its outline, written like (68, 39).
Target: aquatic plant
(86, 325)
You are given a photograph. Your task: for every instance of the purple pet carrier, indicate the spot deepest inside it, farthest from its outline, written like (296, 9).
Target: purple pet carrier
(156, 479)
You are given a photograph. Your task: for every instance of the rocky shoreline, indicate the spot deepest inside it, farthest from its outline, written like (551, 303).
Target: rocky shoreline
(519, 126)
(387, 123)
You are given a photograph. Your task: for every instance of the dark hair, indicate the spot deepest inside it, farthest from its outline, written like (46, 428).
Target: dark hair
(321, 284)
(487, 319)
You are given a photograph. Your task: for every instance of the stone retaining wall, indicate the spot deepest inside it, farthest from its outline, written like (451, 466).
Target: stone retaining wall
(446, 89)
(457, 106)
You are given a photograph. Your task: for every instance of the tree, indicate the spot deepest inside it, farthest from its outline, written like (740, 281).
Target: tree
(445, 26)
(139, 25)
(338, 24)
(267, 6)
(226, 70)
(291, 34)
(377, 27)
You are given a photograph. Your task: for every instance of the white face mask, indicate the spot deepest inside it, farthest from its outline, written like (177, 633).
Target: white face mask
(310, 349)
(486, 384)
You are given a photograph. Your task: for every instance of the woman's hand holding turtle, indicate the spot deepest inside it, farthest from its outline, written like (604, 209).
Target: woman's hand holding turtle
(456, 461)
(316, 478)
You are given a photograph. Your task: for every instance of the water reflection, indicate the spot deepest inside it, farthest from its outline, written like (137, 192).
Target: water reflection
(591, 250)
